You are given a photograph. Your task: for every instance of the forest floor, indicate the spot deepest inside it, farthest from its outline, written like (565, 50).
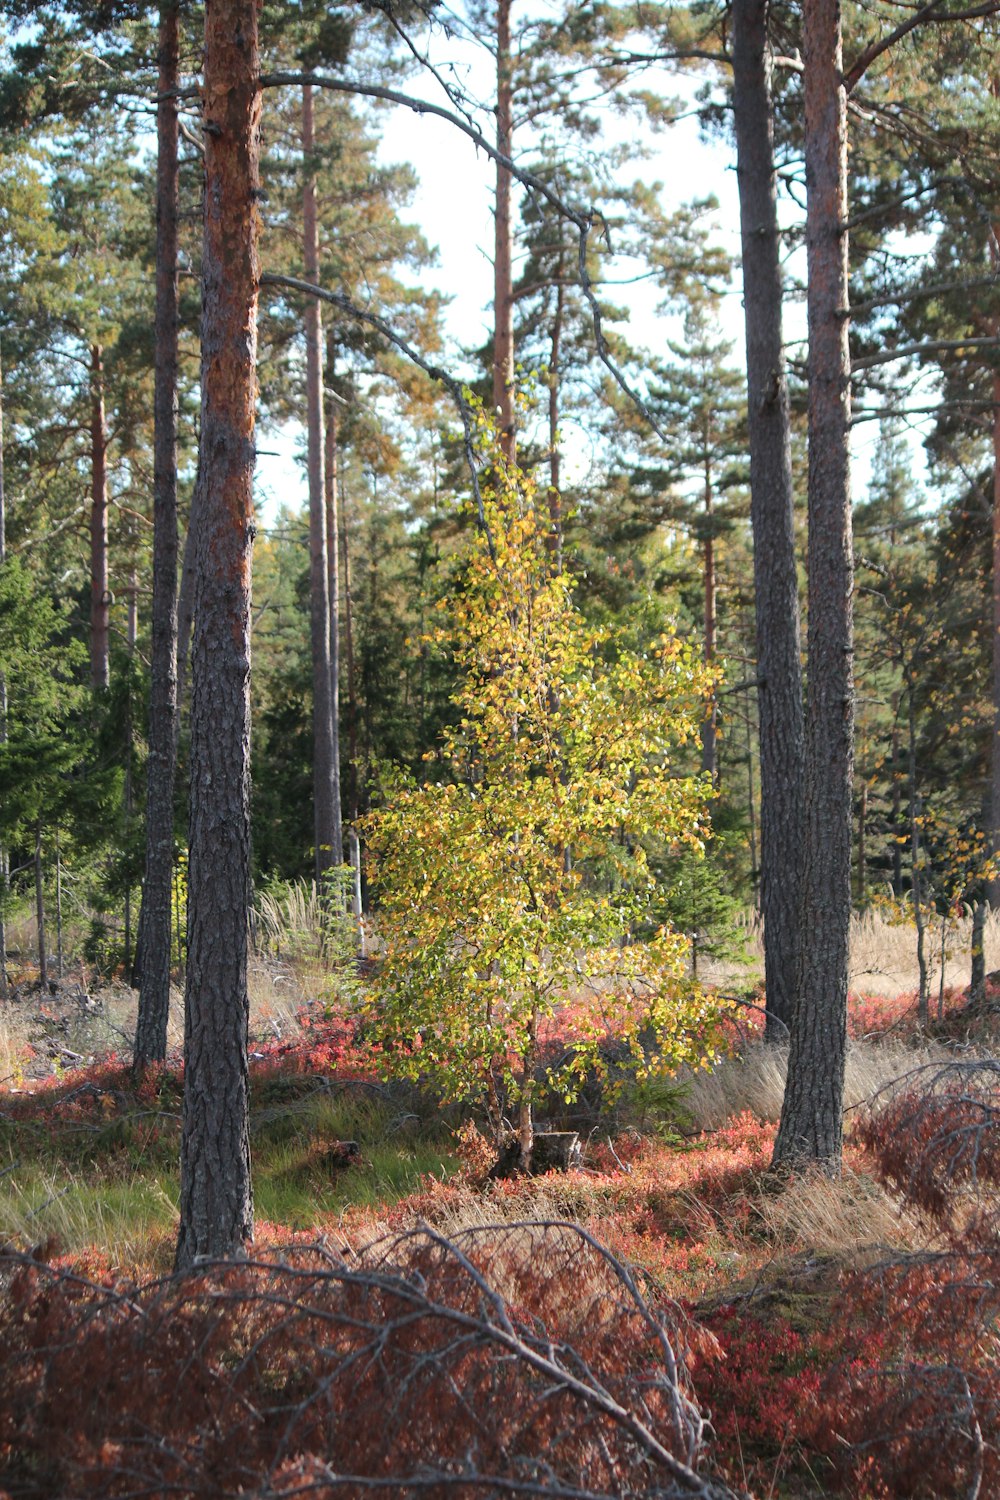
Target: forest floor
(818, 1320)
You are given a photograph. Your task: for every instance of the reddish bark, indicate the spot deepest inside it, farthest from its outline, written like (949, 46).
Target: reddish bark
(216, 1207)
(503, 257)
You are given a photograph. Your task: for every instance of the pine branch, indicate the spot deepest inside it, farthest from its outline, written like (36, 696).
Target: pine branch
(582, 219)
(933, 346)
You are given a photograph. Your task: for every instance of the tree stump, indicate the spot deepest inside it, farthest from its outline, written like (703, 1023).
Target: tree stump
(552, 1151)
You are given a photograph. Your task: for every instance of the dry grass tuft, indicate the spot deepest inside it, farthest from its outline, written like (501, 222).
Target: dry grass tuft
(838, 1216)
(755, 1080)
(883, 953)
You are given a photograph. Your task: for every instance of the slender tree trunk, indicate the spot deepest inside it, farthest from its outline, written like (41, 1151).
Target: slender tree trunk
(153, 955)
(897, 804)
(216, 1206)
(862, 853)
(751, 806)
(100, 595)
(357, 908)
(779, 672)
(811, 1127)
(352, 689)
(59, 920)
(994, 887)
(325, 810)
(525, 1112)
(503, 255)
(332, 508)
(4, 857)
(977, 975)
(43, 958)
(128, 790)
(555, 355)
(185, 606)
(709, 723)
(916, 878)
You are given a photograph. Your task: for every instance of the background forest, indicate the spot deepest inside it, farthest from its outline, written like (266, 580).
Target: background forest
(590, 768)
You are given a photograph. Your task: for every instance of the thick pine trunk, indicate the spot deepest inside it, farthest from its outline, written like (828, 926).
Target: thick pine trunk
(779, 671)
(216, 1208)
(326, 810)
(100, 596)
(811, 1127)
(332, 508)
(153, 956)
(503, 256)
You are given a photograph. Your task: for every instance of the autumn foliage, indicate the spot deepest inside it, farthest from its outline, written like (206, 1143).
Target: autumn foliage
(514, 879)
(524, 1360)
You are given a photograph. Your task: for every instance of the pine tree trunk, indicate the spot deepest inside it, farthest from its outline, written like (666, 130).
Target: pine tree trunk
(916, 879)
(994, 887)
(153, 950)
(4, 857)
(100, 596)
(216, 1206)
(332, 508)
(352, 690)
(128, 798)
(862, 849)
(709, 723)
(326, 812)
(59, 920)
(779, 672)
(43, 958)
(811, 1127)
(555, 356)
(503, 256)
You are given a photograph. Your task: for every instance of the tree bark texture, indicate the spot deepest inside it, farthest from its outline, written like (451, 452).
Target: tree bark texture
(216, 1199)
(326, 815)
(710, 722)
(352, 690)
(331, 495)
(100, 596)
(503, 255)
(779, 670)
(4, 857)
(994, 887)
(555, 358)
(811, 1127)
(154, 921)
